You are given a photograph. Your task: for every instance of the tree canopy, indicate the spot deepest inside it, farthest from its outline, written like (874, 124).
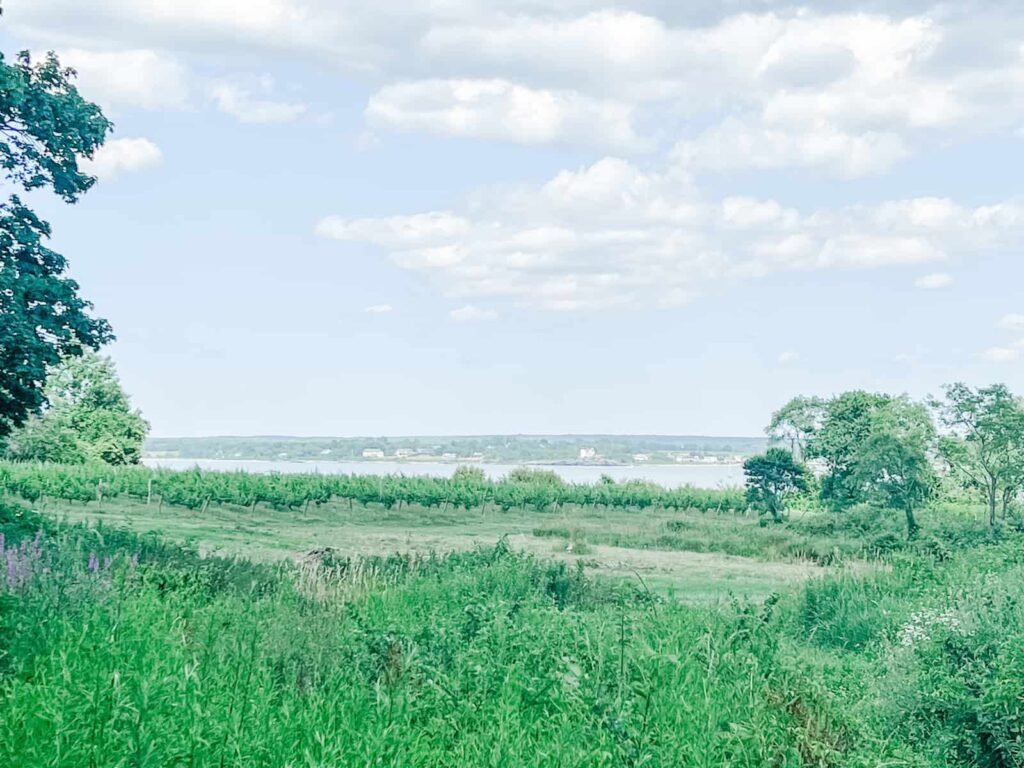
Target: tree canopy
(893, 465)
(770, 478)
(847, 424)
(985, 444)
(46, 128)
(796, 423)
(88, 418)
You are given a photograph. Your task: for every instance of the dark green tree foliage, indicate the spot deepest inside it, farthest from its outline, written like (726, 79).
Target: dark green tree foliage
(88, 418)
(770, 478)
(847, 424)
(985, 443)
(893, 465)
(46, 127)
(796, 422)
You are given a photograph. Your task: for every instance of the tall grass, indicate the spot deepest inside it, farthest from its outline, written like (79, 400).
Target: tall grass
(121, 650)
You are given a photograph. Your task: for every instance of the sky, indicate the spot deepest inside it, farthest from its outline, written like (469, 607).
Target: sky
(329, 217)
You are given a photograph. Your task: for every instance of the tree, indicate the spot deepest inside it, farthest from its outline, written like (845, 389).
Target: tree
(46, 128)
(1013, 485)
(88, 418)
(796, 422)
(530, 476)
(985, 440)
(770, 478)
(470, 475)
(846, 426)
(893, 465)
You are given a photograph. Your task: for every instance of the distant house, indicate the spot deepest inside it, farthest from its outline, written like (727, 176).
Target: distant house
(373, 453)
(708, 459)
(640, 458)
(588, 453)
(325, 452)
(404, 453)
(449, 456)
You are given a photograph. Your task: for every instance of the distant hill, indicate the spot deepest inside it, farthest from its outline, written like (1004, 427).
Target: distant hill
(490, 448)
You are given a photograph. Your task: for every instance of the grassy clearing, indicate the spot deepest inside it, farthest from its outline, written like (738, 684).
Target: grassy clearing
(607, 541)
(119, 649)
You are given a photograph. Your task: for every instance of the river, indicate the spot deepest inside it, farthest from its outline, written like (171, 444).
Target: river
(667, 475)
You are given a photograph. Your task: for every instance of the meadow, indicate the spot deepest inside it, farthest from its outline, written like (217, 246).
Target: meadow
(351, 633)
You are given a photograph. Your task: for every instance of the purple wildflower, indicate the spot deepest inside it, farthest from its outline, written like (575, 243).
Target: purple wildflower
(2, 542)
(135, 558)
(12, 568)
(94, 562)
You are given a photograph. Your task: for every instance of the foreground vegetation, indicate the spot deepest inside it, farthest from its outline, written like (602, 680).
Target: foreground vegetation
(120, 649)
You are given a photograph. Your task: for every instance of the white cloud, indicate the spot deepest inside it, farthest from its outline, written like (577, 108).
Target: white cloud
(850, 93)
(470, 313)
(499, 109)
(934, 281)
(1012, 322)
(378, 309)
(420, 229)
(610, 235)
(119, 156)
(1001, 354)
(607, 50)
(241, 104)
(129, 78)
(738, 85)
(735, 145)
(789, 357)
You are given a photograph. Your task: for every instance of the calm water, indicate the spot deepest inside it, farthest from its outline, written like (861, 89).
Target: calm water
(668, 475)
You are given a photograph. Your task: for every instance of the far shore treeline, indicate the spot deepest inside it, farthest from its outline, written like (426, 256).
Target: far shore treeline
(501, 449)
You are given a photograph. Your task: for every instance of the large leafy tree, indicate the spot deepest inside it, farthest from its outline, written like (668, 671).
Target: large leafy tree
(771, 477)
(847, 424)
(796, 422)
(984, 443)
(893, 465)
(46, 128)
(88, 417)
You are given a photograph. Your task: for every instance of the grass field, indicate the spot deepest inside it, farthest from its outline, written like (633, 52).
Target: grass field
(121, 648)
(607, 541)
(584, 637)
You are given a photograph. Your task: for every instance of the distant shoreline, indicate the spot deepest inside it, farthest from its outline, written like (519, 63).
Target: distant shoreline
(576, 451)
(461, 461)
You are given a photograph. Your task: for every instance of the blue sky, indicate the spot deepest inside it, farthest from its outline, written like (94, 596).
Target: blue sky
(457, 216)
